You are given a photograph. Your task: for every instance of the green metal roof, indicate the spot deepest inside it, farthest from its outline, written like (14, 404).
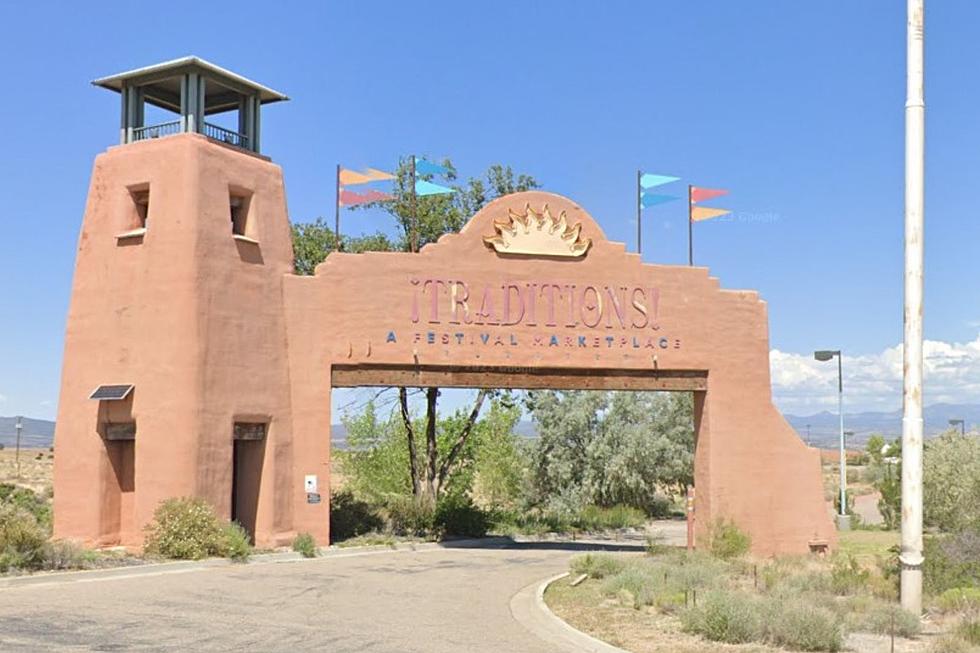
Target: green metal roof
(161, 84)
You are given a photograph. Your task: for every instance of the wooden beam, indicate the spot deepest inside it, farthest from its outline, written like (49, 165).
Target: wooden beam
(349, 376)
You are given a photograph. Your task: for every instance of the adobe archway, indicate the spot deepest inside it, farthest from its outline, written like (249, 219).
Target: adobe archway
(531, 294)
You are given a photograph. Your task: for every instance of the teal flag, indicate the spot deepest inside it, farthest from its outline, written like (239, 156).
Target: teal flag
(649, 180)
(428, 168)
(649, 199)
(428, 188)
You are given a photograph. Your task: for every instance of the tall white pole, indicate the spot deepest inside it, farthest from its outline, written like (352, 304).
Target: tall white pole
(843, 522)
(911, 554)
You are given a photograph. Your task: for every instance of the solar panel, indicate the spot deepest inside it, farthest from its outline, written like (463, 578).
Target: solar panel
(111, 392)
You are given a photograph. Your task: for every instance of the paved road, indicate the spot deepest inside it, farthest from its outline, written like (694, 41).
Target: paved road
(433, 600)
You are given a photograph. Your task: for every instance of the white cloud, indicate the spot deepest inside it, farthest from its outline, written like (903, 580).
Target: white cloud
(802, 385)
(3, 399)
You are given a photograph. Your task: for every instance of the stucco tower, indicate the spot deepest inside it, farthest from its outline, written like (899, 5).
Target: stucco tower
(175, 381)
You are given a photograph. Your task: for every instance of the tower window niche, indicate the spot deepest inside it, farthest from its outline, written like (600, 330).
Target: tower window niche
(240, 202)
(137, 215)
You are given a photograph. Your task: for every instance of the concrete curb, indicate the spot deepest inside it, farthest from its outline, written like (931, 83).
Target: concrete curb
(530, 610)
(279, 557)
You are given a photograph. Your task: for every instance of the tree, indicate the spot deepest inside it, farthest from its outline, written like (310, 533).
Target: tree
(611, 448)
(376, 460)
(430, 216)
(951, 482)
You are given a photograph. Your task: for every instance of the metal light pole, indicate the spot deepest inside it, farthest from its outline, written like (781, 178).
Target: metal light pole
(18, 426)
(911, 551)
(823, 355)
(959, 422)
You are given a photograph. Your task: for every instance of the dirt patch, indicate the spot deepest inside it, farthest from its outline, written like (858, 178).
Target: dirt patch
(36, 468)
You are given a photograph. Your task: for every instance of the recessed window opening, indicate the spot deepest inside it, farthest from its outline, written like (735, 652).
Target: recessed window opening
(140, 196)
(239, 202)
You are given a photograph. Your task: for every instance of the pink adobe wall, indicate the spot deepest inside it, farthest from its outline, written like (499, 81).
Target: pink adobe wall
(750, 465)
(191, 317)
(213, 330)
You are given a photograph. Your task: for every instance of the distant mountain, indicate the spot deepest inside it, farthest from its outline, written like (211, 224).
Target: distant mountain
(824, 427)
(36, 433)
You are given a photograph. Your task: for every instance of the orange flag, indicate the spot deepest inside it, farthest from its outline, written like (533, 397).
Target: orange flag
(699, 213)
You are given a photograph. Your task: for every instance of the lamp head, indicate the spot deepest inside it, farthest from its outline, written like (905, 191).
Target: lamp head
(825, 354)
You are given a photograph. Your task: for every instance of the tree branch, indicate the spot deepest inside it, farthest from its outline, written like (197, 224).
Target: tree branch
(463, 436)
(410, 434)
(431, 397)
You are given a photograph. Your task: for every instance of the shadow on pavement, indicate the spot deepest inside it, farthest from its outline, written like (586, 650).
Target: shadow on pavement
(543, 545)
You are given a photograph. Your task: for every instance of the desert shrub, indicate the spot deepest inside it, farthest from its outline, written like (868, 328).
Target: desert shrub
(185, 529)
(883, 617)
(597, 565)
(951, 561)
(305, 545)
(969, 630)
(722, 616)
(66, 554)
(236, 543)
(960, 599)
(408, 515)
(846, 574)
(801, 626)
(22, 539)
(950, 644)
(634, 586)
(35, 503)
(456, 514)
(728, 541)
(595, 518)
(350, 517)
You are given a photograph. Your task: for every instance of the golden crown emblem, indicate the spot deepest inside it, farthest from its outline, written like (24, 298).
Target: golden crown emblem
(539, 234)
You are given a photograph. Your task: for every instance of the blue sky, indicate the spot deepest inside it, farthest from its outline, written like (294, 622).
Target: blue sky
(795, 107)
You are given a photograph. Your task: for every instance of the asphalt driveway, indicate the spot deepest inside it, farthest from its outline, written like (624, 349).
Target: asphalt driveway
(433, 600)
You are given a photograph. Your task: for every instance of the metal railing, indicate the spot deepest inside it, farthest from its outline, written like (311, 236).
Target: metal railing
(225, 135)
(156, 131)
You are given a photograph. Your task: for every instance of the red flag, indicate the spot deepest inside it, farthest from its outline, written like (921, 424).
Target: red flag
(350, 198)
(702, 194)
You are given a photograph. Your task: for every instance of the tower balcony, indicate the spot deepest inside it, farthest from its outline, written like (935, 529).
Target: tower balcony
(192, 89)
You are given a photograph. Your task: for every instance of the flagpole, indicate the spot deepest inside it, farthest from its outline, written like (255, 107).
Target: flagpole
(336, 231)
(690, 229)
(639, 198)
(415, 216)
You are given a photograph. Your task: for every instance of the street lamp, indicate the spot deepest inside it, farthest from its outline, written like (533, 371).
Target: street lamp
(824, 355)
(959, 422)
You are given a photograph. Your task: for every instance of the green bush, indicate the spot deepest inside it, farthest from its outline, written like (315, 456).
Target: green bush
(236, 543)
(65, 554)
(22, 539)
(305, 545)
(969, 630)
(722, 616)
(882, 618)
(727, 541)
(950, 644)
(185, 529)
(801, 626)
(597, 565)
(846, 574)
(26, 499)
(595, 518)
(408, 515)
(634, 585)
(456, 514)
(350, 517)
(951, 561)
(960, 599)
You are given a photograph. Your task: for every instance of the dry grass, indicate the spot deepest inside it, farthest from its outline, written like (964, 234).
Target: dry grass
(36, 468)
(638, 631)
